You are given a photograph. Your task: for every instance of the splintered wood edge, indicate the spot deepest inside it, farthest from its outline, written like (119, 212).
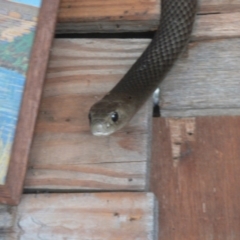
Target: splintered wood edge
(135, 212)
(185, 154)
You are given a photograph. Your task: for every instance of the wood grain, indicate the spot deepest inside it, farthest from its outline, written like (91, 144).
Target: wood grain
(216, 26)
(215, 19)
(195, 176)
(205, 82)
(216, 6)
(108, 16)
(95, 216)
(64, 154)
(10, 193)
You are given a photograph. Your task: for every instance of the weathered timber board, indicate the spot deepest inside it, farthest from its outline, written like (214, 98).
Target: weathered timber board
(205, 82)
(108, 16)
(216, 6)
(195, 176)
(99, 216)
(64, 154)
(214, 26)
(139, 16)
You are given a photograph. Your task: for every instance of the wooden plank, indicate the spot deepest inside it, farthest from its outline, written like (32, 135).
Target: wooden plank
(213, 26)
(216, 6)
(195, 176)
(95, 216)
(11, 191)
(140, 16)
(206, 82)
(108, 16)
(192, 88)
(64, 153)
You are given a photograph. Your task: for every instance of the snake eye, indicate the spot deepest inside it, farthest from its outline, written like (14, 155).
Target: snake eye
(114, 116)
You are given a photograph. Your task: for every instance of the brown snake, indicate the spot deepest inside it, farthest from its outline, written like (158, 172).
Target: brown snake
(118, 106)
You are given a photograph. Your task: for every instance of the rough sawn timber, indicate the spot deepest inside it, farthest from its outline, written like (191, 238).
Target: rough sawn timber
(195, 176)
(93, 216)
(215, 18)
(64, 153)
(205, 82)
(108, 16)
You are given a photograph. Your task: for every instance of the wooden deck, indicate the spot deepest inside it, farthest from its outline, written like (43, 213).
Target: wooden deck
(194, 159)
(81, 216)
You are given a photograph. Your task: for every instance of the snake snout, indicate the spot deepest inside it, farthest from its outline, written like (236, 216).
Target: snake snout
(100, 129)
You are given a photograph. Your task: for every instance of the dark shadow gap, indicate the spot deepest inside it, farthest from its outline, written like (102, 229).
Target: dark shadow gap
(156, 111)
(49, 191)
(208, 13)
(108, 35)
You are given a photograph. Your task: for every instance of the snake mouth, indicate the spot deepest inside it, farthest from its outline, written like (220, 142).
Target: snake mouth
(100, 134)
(100, 130)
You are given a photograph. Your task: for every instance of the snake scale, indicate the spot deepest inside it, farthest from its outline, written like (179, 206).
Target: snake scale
(118, 106)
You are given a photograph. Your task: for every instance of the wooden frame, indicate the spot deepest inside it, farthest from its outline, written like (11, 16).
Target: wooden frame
(10, 193)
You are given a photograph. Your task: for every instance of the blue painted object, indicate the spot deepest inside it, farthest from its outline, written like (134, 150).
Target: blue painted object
(17, 32)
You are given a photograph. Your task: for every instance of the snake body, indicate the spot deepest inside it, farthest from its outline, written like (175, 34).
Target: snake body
(118, 106)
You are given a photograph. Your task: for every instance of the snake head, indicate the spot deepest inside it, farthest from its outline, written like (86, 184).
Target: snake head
(106, 117)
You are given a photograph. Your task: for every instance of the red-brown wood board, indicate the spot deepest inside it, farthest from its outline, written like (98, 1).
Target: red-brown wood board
(196, 177)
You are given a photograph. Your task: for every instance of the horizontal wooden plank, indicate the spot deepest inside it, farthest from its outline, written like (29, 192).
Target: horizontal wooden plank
(139, 16)
(206, 82)
(95, 216)
(216, 6)
(108, 16)
(64, 153)
(195, 176)
(213, 26)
